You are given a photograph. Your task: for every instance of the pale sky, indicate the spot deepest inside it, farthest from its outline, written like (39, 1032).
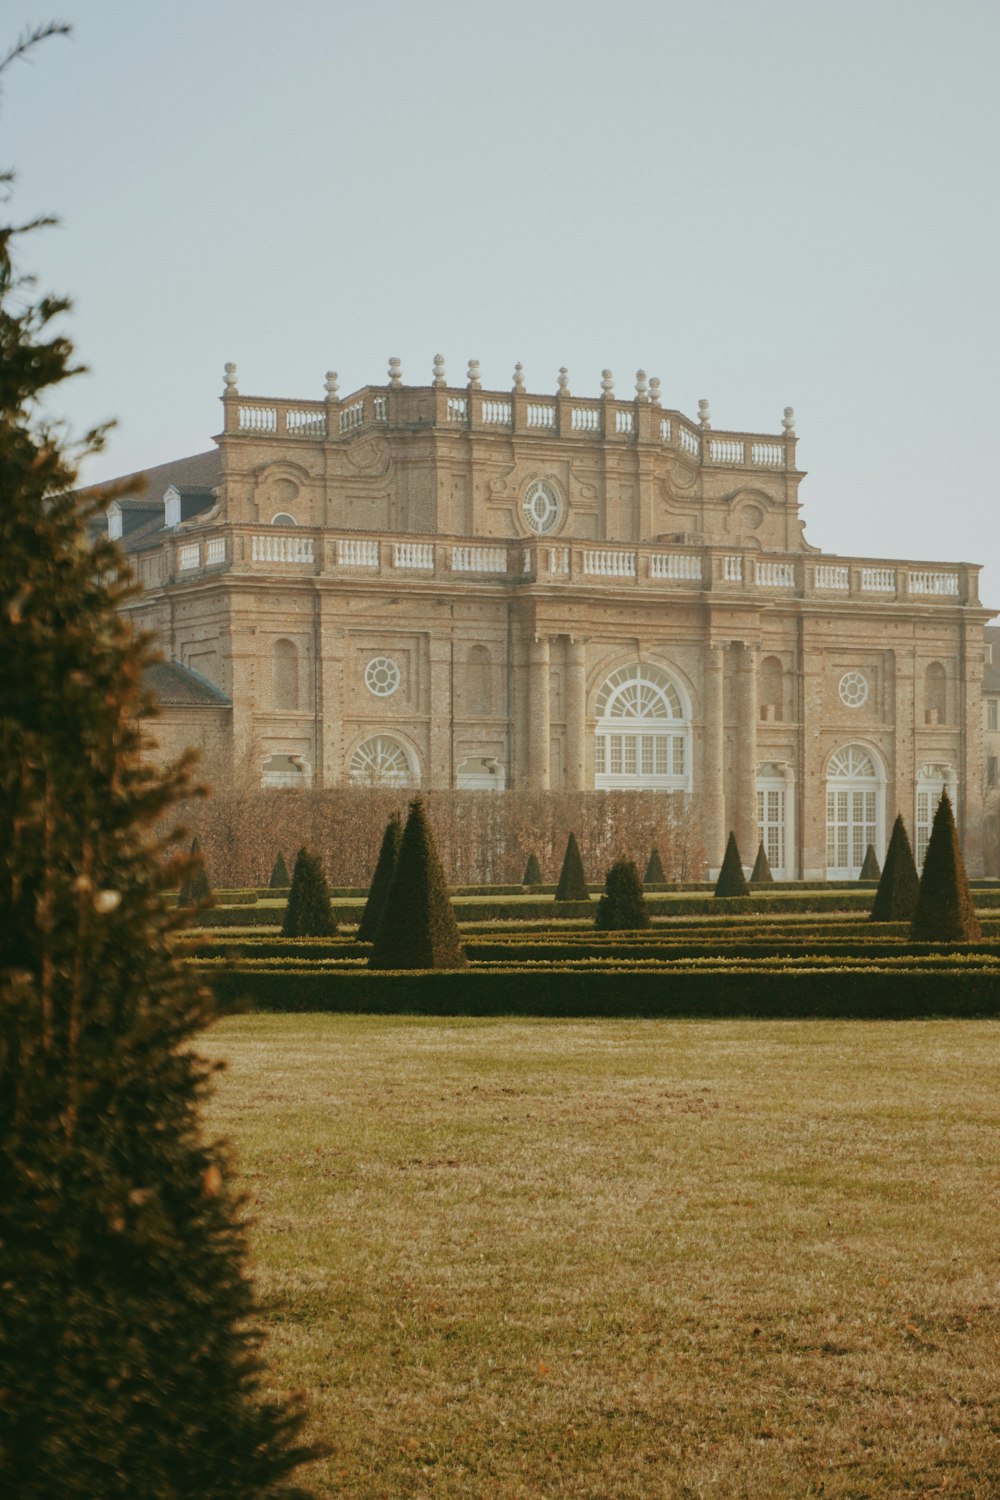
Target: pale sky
(763, 202)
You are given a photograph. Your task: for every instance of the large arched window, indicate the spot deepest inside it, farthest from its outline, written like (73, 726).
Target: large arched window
(935, 694)
(382, 761)
(643, 735)
(855, 786)
(284, 674)
(775, 810)
(932, 780)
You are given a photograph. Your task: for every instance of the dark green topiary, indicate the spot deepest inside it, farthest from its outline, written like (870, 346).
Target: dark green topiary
(945, 913)
(130, 1362)
(572, 881)
(418, 928)
(308, 912)
(870, 868)
(532, 871)
(623, 907)
(279, 874)
(761, 872)
(654, 869)
(195, 887)
(385, 867)
(731, 881)
(896, 897)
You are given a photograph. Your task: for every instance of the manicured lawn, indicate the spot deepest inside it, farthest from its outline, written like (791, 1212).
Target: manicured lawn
(628, 1259)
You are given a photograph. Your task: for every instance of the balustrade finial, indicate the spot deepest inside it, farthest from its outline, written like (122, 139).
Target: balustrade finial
(519, 376)
(331, 387)
(563, 381)
(607, 383)
(641, 385)
(788, 421)
(439, 376)
(230, 379)
(395, 373)
(475, 383)
(654, 390)
(704, 414)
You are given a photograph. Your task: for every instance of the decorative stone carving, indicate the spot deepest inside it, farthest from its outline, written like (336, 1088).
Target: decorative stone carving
(439, 376)
(395, 373)
(704, 414)
(788, 421)
(563, 381)
(475, 384)
(331, 387)
(641, 385)
(230, 379)
(654, 390)
(607, 384)
(519, 376)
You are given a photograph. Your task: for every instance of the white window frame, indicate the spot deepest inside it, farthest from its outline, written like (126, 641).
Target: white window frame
(647, 750)
(846, 809)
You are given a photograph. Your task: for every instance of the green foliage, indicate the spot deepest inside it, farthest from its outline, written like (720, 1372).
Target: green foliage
(279, 880)
(654, 869)
(870, 868)
(572, 881)
(622, 906)
(382, 879)
(418, 928)
(896, 897)
(129, 1361)
(308, 913)
(532, 871)
(731, 881)
(761, 872)
(195, 887)
(945, 912)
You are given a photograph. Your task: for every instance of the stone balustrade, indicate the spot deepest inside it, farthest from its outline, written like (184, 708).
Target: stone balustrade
(257, 549)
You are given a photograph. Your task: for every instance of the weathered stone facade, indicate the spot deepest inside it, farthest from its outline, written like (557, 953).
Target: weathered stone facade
(456, 587)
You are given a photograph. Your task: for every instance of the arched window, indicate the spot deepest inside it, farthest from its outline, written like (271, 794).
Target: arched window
(283, 519)
(932, 780)
(854, 813)
(935, 694)
(284, 674)
(479, 674)
(772, 693)
(643, 735)
(382, 761)
(774, 818)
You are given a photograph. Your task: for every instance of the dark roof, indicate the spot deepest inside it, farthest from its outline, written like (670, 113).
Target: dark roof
(991, 672)
(178, 686)
(201, 470)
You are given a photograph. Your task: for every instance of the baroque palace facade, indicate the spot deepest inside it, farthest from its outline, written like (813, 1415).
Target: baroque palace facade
(444, 586)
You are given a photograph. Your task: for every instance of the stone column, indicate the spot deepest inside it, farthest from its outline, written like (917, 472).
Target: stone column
(576, 716)
(713, 796)
(811, 820)
(538, 714)
(969, 812)
(744, 815)
(440, 771)
(330, 760)
(900, 784)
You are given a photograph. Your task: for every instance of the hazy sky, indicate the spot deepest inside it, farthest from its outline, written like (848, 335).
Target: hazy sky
(765, 202)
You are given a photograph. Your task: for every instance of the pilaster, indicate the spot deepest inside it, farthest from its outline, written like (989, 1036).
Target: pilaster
(576, 715)
(538, 714)
(713, 801)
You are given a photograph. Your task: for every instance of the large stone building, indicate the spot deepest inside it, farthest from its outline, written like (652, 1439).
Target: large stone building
(445, 586)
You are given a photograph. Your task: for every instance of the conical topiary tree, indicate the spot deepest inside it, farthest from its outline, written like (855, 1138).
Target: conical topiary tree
(279, 880)
(308, 913)
(731, 881)
(761, 872)
(532, 871)
(654, 869)
(129, 1362)
(385, 867)
(896, 897)
(870, 867)
(572, 881)
(622, 906)
(418, 928)
(196, 889)
(945, 912)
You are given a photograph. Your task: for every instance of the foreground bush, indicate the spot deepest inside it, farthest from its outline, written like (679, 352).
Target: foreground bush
(417, 929)
(732, 881)
(279, 880)
(385, 868)
(572, 881)
(129, 1363)
(532, 871)
(308, 913)
(196, 890)
(870, 868)
(899, 886)
(623, 906)
(655, 874)
(761, 872)
(945, 912)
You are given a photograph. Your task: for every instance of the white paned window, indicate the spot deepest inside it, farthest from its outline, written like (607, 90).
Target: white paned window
(382, 676)
(382, 761)
(932, 780)
(853, 689)
(541, 507)
(854, 813)
(643, 731)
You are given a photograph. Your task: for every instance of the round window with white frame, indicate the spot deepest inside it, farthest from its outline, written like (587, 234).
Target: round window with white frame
(382, 676)
(382, 761)
(542, 507)
(853, 689)
(643, 731)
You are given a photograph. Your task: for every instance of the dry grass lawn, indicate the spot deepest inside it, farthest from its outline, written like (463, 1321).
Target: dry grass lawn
(627, 1259)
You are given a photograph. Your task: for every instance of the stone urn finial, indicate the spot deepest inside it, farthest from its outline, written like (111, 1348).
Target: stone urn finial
(475, 383)
(641, 385)
(654, 390)
(519, 376)
(788, 421)
(563, 381)
(607, 383)
(704, 413)
(395, 373)
(331, 387)
(439, 376)
(230, 378)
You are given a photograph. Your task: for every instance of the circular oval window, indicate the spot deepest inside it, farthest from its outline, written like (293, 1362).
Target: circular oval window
(382, 676)
(541, 507)
(854, 689)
